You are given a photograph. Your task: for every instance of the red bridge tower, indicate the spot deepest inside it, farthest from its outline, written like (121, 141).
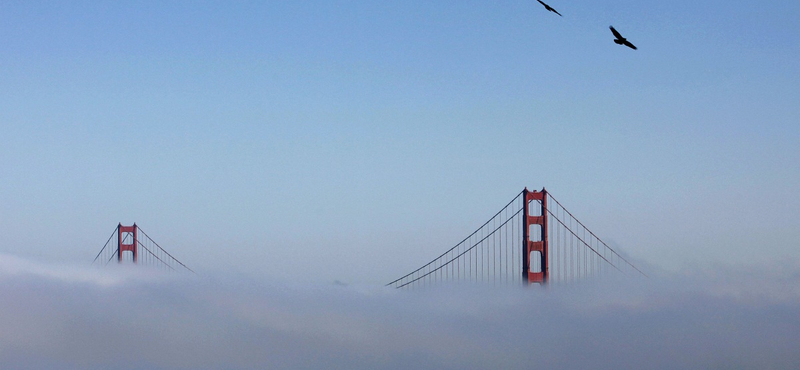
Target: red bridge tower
(537, 248)
(122, 246)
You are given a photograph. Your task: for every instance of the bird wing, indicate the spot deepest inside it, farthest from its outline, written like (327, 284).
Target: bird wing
(548, 7)
(628, 44)
(616, 34)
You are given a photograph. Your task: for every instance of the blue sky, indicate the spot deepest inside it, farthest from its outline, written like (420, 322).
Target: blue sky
(359, 139)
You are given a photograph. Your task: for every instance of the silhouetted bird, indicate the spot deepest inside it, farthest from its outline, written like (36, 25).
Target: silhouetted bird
(621, 40)
(549, 8)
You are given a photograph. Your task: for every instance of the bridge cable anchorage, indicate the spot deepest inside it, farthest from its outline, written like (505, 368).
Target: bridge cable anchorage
(504, 249)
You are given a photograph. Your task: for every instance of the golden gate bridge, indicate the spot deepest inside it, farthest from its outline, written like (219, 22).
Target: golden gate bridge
(143, 250)
(532, 239)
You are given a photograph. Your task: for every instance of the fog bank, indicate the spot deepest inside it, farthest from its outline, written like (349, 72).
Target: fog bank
(71, 317)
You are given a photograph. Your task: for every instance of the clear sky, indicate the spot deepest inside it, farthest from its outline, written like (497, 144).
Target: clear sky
(355, 140)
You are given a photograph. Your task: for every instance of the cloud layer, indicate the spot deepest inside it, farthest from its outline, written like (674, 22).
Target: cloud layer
(83, 318)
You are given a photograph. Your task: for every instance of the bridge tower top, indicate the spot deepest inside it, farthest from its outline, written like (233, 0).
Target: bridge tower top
(534, 250)
(125, 233)
(144, 251)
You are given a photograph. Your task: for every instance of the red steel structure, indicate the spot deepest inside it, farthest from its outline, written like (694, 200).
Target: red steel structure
(122, 246)
(145, 251)
(536, 247)
(532, 239)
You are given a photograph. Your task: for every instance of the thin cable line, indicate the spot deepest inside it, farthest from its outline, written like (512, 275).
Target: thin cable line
(104, 246)
(462, 253)
(460, 243)
(600, 240)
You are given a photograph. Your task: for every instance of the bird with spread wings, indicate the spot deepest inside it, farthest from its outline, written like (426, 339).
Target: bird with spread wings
(549, 8)
(621, 40)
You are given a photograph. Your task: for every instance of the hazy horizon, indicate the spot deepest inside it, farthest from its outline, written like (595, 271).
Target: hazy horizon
(76, 317)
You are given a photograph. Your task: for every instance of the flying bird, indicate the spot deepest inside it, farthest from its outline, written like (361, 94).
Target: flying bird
(621, 40)
(549, 8)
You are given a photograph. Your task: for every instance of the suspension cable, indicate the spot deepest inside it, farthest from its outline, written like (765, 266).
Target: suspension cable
(162, 249)
(596, 237)
(462, 253)
(104, 246)
(460, 243)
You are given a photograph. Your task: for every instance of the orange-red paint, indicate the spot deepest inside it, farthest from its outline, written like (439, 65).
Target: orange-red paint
(529, 246)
